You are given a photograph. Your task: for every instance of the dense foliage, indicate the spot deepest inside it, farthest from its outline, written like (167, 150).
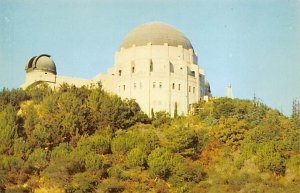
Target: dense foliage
(86, 140)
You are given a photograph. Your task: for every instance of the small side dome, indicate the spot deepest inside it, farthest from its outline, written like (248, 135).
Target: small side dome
(42, 63)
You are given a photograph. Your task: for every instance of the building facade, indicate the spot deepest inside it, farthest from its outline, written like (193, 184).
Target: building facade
(155, 64)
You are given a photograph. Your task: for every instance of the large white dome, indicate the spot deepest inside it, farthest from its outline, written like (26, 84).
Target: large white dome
(156, 33)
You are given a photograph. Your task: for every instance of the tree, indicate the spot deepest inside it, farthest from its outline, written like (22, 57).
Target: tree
(8, 129)
(95, 164)
(110, 110)
(12, 97)
(40, 137)
(13, 167)
(66, 116)
(152, 114)
(124, 142)
(21, 149)
(271, 157)
(296, 113)
(37, 92)
(175, 110)
(83, 182)
(30, 121)
(230, 131)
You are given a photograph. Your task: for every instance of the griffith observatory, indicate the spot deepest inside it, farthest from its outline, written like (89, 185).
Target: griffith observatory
(155, 64)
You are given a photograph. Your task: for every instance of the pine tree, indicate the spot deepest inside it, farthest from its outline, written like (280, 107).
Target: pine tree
(175, 110)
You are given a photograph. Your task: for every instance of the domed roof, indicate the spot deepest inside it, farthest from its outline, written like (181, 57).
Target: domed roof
(42, 62)
(156, 33)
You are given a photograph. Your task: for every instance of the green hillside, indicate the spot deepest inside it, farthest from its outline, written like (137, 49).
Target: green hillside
(86, 140)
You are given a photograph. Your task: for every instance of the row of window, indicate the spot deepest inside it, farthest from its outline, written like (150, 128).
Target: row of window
(151, 69)
(154, 85)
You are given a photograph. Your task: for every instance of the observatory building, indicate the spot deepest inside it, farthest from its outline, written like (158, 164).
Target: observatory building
(155, 64)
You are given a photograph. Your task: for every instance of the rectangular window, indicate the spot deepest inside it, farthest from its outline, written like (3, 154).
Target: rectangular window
(123, 87)
(153, 84)
(151, 66)
(171, 67)
(160, 85)
(189, 88)
(120, 72)
(193, 89)
(178, 86)
(132, 66)
(173, 86)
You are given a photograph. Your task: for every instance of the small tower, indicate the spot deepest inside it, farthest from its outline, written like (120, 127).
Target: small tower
(40, 69)
(229, 92)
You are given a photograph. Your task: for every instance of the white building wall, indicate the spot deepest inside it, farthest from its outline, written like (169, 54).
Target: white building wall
(38, 75)
(156, 76)
(153, 88)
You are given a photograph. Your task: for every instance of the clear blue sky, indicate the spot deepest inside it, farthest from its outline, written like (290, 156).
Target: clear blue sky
(252, 44)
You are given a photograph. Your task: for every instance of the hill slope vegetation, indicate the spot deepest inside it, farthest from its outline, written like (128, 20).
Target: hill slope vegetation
(86, 140)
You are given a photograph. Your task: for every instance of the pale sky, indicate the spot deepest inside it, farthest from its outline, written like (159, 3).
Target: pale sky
(254, 45)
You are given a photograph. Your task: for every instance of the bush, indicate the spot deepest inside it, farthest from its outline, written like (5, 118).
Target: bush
(38, 159)
(182, 140)
(160, 118)
(136, 157)
(95, 143)
(187, 172)
(124, 142)
(82, 182)
(160, 162)
(19, 189)
(111, 185)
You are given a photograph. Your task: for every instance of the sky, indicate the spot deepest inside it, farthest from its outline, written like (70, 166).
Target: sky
(254, 45)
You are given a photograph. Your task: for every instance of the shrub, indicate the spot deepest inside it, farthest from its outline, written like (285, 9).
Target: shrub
(136, 157)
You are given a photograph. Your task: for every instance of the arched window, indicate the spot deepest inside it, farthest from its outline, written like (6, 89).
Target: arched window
(120, 72)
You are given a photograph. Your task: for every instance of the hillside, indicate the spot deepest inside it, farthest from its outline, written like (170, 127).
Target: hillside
(86, 140)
